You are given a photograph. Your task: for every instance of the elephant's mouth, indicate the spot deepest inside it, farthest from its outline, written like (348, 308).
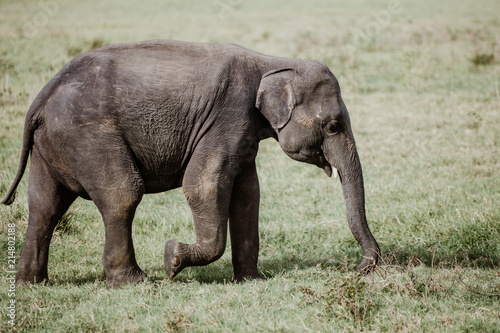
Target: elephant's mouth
(322, 163)
(328, 170)
(313, 157)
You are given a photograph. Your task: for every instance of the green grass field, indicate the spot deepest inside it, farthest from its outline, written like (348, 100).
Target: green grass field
(422, 84)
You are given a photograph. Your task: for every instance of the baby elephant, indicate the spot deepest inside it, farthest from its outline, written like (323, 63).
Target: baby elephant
(129, 119)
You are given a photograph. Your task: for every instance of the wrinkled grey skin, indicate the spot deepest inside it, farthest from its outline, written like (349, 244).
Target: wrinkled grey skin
(125, 120)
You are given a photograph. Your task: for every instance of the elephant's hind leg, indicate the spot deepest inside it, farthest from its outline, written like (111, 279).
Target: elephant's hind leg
(119, 261)
(116, 187)
(48, 200)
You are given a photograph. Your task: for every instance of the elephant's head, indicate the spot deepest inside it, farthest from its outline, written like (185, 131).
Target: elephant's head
(312, 124)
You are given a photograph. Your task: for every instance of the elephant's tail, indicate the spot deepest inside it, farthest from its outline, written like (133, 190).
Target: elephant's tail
(28, 134)
(33, 120)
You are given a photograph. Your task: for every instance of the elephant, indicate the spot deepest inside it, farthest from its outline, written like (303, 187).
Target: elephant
(125, 120)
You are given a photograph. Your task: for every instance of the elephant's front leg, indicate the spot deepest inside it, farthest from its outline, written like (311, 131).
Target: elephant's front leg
(207, 188)
(243, 224)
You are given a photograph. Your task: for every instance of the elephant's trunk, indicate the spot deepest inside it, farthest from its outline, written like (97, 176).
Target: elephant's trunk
(341, 153)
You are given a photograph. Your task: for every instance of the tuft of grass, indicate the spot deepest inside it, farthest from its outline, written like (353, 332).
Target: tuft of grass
(67, 224)
(482, 59)
(85, 46)
(177, 323)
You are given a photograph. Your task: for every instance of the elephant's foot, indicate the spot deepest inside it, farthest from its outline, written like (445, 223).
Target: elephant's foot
(131, 275)
(26, 279)
(31, 274)
(238, 278)
(174, 260)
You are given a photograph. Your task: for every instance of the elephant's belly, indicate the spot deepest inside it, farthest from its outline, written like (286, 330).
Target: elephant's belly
(162, 182)
(160, 169)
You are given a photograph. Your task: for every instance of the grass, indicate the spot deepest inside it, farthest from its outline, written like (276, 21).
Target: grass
(423, 93)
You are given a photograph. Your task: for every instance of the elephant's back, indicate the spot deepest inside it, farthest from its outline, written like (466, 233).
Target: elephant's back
(154, 97)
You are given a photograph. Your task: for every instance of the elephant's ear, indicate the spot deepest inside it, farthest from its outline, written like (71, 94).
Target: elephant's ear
(275, 97)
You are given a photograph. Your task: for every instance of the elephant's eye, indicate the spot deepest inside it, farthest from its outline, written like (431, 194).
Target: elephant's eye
(331, 128)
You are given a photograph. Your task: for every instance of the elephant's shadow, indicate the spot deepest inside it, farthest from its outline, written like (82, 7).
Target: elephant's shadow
(221, 272)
